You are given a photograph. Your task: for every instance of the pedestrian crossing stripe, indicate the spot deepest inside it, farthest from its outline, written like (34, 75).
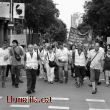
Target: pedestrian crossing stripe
(97, 109)
(95, 100)
(20, 106)
(59, 98)
(58, 107)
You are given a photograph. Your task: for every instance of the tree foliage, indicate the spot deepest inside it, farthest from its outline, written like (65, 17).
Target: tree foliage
(97, 15)
(40, 17)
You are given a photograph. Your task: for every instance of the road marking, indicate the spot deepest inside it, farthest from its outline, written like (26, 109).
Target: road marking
(58, 107)
(59, 98)
(20, 106)
(95, 100)
(97, 109)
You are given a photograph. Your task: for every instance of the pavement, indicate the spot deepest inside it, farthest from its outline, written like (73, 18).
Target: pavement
(63, 96)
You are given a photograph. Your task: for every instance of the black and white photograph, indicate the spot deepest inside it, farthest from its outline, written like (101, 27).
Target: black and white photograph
(54, 54)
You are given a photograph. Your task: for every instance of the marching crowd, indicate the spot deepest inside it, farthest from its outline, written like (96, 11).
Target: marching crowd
(53, 62)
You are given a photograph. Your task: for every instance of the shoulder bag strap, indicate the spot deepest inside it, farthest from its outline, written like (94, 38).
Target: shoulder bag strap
(94, 56)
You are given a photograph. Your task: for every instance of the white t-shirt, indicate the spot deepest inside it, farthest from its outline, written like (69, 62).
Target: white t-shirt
(3, 54)
(96, 62)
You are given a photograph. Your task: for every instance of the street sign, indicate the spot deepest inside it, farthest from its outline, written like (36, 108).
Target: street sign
(4, 10)
(19, 10)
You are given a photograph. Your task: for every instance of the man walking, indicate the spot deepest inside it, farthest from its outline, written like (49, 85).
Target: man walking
(96, 58)
(31, 65)
(16, 53)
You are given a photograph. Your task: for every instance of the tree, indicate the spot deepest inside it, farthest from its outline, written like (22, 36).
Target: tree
(97, 15)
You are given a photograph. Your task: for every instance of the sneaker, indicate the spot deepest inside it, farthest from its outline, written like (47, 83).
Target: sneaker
(16, 86)
(33, 91)
(94, 91)
(99, 83)
(28, 92)
(51, 82)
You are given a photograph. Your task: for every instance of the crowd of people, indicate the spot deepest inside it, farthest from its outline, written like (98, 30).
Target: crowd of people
(54, 62)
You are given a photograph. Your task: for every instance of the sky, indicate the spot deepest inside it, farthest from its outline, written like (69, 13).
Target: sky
(67, 8)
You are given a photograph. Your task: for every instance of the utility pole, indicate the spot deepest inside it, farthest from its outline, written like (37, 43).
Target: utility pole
(11, 15)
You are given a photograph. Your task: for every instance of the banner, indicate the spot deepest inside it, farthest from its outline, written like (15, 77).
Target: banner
(5, 10)
(20, 38)
(19, 10)
(76, 37)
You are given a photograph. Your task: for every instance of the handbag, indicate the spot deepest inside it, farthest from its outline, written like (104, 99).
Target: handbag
(17, 56)
(51, 63)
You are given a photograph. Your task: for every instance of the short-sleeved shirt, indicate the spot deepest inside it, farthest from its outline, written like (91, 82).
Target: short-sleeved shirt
(19, 51)
(62, 54)
(96, 62)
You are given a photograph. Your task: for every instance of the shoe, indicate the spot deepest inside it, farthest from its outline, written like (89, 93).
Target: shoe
(13, 84)
(77, 85)
(28, 92)
(66, 80)
(16, 86)
(60, 81)
(107, 85)
(20, 81)
(33, 91)
(56, 80)
(90, 85)
(99, 83)
(51, 82)
(3, 85)
(94, 91)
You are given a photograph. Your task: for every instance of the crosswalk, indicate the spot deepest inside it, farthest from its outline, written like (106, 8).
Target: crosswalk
(52, 107)
(97, 104)
(93, 104)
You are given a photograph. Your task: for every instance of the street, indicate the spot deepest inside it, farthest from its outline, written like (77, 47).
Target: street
(64, 96)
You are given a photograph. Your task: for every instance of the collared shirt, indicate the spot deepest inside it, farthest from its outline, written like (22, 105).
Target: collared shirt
(96, 62)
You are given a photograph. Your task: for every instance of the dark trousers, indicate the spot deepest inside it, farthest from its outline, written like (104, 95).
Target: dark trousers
(56, 73)
(8, 69)
(3, 73)
(15, 74)
(31, 79)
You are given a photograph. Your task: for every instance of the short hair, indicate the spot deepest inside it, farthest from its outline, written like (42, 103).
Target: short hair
(15, 41)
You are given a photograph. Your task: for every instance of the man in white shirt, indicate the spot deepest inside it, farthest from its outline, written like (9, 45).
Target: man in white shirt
(79, 62)
(62, 58)
(4, 55)
(96, 58)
